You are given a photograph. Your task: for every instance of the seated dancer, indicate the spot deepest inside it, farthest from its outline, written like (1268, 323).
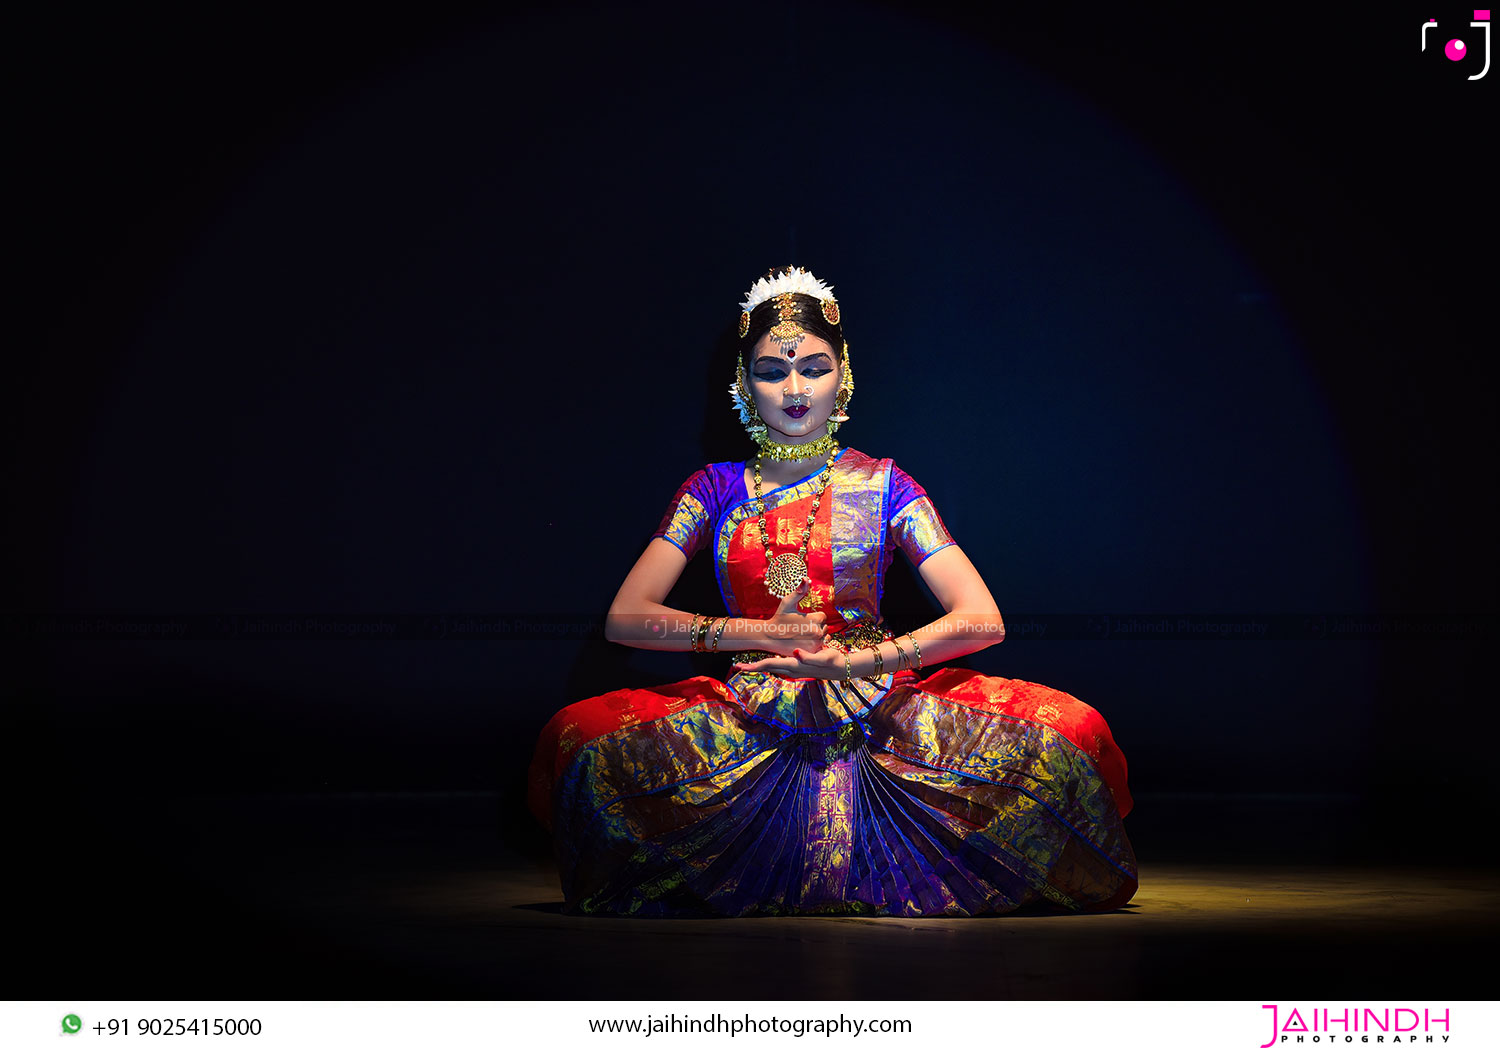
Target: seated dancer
(832, 771)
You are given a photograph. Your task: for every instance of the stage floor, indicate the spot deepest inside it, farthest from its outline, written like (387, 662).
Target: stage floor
(418, 897)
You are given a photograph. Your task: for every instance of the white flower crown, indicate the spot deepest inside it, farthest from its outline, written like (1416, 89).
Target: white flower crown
(793, 279)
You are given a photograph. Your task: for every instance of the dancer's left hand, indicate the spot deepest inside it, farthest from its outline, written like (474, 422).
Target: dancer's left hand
(826, 663)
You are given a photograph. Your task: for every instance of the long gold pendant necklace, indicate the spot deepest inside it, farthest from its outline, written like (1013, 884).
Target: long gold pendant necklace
(785, 573)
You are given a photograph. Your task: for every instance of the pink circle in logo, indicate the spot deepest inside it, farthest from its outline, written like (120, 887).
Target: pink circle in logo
(1455, 50)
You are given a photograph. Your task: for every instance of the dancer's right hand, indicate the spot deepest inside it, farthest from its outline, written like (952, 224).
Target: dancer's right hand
(790, 629)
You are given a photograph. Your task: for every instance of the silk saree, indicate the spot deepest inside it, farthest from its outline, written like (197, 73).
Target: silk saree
(946, 793)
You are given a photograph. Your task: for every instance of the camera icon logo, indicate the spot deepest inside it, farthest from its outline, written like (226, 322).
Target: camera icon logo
(1456, 50)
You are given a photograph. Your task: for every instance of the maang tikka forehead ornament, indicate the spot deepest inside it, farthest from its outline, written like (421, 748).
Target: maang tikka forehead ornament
(788, 332)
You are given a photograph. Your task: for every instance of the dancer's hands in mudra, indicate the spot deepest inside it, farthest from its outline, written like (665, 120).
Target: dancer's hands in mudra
(799, 637)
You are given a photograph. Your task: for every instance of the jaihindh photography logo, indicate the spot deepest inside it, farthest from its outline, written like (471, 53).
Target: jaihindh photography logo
(1304, 1025)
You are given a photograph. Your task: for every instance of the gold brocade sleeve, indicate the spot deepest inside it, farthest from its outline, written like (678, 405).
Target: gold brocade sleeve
(918, 530)
(686, 523)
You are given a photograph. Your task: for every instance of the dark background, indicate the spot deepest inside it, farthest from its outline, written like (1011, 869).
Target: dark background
(425, 314)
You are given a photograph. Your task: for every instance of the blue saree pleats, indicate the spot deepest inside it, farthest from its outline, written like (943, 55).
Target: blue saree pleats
(920, 801)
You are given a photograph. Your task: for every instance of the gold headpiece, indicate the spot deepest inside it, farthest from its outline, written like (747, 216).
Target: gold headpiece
(786, 329)
(782, 286)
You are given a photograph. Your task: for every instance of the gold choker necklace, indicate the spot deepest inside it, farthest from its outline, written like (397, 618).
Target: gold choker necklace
(777, 451)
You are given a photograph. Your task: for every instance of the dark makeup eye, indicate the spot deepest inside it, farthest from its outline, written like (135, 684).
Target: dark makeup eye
(770, 374)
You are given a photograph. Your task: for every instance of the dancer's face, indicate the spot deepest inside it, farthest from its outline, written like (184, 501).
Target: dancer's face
(794, 385)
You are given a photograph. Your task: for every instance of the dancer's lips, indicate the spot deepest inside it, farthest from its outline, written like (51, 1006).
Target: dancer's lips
(796, 412)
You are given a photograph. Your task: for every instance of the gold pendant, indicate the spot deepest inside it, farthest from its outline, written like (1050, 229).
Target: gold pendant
(784, 574)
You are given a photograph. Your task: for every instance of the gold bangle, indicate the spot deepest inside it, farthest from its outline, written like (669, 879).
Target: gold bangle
(848, 672)
(693, 633)
(719, 635)
(901, 659)
(879, 660)
(917, 648)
